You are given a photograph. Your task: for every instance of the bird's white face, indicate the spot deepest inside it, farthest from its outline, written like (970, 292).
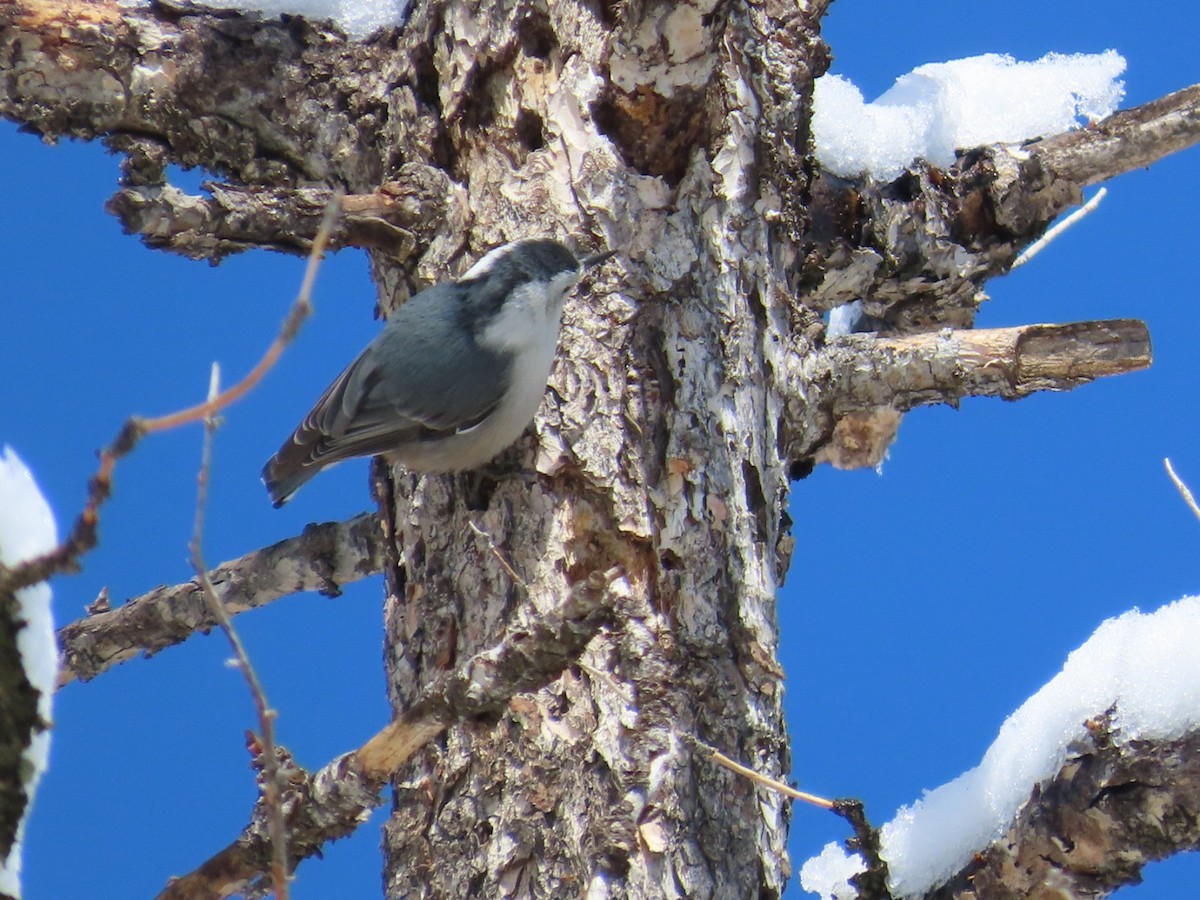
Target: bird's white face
(560, 284)
(529, 320)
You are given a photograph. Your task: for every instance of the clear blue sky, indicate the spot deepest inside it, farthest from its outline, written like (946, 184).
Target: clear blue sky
(922, 606)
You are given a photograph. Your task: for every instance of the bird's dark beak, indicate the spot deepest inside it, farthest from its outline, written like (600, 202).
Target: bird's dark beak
(588, 261)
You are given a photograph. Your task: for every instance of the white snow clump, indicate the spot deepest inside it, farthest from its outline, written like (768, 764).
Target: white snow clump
(939, 108)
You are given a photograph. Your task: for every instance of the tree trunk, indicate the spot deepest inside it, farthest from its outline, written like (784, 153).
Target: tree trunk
(658, 451)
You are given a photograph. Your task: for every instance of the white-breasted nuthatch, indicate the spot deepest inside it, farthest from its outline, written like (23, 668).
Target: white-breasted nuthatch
(454, 377)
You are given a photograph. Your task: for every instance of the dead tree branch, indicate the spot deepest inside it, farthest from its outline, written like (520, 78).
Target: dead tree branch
(332, 802)
(323, 558)
(1128, 139)
(400, 218)
(860, 374)
(917, 252)
(101, 70)
(1020, 192)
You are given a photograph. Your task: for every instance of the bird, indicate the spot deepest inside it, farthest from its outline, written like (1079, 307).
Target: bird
(454, 376)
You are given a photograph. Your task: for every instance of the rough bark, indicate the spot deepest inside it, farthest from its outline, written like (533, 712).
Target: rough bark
(691, 379)
(644, 460)
(329, 804)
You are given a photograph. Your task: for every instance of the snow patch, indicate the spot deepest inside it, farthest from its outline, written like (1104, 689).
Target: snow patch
(27, 530)
(358, 18)
(939, 108)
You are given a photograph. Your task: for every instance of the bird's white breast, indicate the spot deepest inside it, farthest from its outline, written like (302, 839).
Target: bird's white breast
(527, 327)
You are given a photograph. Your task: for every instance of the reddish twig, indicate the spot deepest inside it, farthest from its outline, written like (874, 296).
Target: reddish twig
(84, 535)
(266, 716)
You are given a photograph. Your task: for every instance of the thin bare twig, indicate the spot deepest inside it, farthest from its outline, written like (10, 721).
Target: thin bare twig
(84, 534)
(770, 783)
(266, 715)
(1182, 488)
(1058, 228)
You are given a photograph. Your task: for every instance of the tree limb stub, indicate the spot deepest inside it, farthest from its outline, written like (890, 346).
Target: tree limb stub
(1011, 363)
(401, 218)
(335, 800)
(865, 373)
(323, 558)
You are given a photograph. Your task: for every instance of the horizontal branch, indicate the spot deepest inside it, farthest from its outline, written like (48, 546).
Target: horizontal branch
(864, 373)
(332, 802)
(323, 558)
(945, 366)
(99, 69)
(400, 218)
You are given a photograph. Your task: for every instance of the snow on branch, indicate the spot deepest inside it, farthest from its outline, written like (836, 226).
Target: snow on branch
(917, 252)
(333, 801)
(323, 558)
(1094, 776)
(28, 661)
(938, 108)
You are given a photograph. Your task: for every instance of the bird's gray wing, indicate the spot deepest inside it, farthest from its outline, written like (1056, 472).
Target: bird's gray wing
(421, 378)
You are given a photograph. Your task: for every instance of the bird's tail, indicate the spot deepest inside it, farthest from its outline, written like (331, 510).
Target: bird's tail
(283, 477)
